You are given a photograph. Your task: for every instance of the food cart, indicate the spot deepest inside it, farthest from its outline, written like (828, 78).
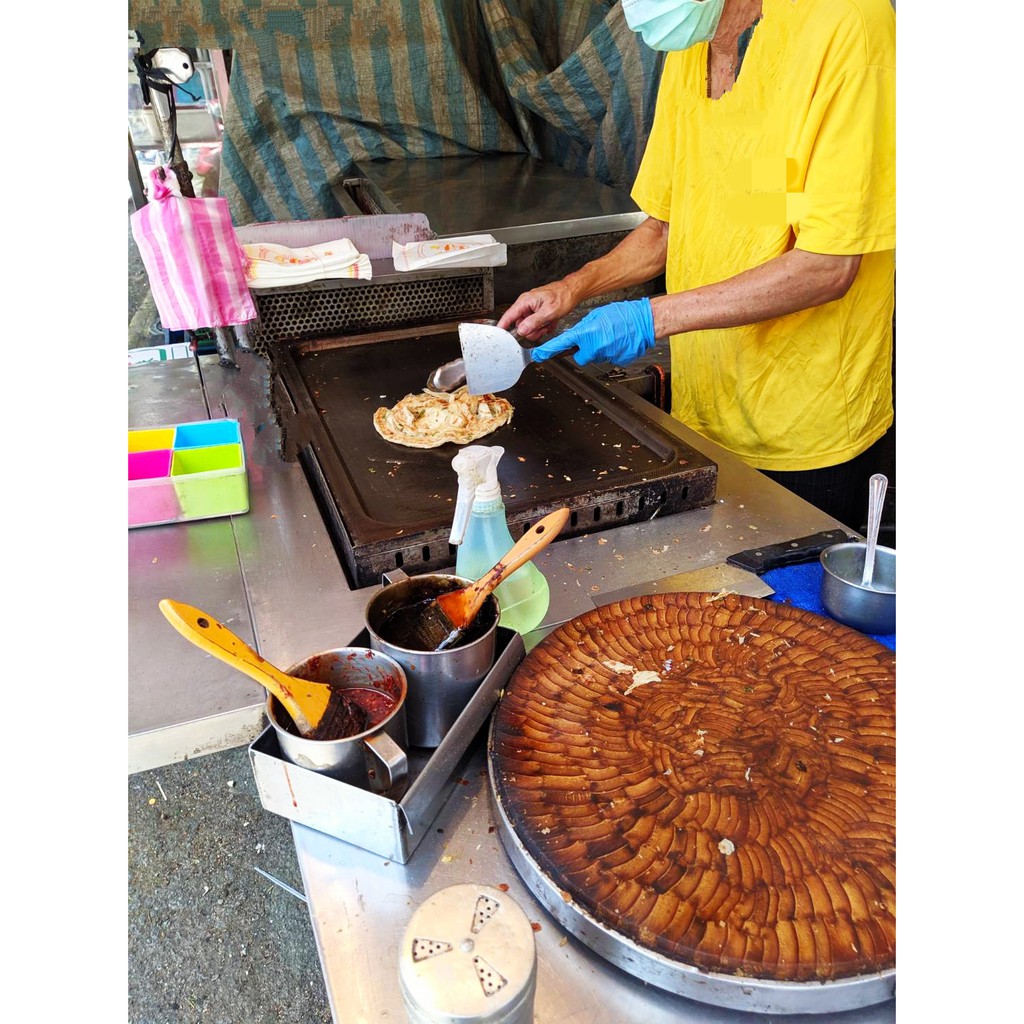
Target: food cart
(331, 508)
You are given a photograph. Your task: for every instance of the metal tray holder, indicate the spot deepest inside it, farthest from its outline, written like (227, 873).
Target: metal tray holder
(388, 828)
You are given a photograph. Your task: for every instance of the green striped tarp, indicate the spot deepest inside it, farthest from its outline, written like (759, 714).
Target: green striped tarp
(318, 85)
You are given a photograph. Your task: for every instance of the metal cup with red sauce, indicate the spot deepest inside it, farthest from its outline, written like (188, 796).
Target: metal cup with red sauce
(369, 748)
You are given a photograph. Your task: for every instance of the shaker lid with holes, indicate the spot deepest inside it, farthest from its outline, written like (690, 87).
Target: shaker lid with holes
(468, 957)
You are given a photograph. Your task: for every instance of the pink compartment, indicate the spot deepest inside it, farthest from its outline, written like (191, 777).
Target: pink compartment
(151, 495)
(149, 465)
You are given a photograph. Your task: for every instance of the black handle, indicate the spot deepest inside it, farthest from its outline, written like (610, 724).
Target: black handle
(787, 552)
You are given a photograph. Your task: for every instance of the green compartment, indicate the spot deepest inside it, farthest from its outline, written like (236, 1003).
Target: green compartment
(210, 481)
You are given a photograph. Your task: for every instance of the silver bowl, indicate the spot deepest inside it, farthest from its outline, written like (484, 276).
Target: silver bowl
(869, 609)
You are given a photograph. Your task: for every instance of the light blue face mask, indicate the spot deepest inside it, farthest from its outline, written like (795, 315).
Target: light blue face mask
(673, 24)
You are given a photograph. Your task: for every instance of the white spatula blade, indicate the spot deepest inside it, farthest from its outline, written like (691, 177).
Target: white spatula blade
(494, 358)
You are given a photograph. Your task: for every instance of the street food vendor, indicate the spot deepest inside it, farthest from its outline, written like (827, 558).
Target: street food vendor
(769, 187)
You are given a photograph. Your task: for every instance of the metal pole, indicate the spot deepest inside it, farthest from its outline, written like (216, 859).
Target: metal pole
(135, 177)
(161, 105)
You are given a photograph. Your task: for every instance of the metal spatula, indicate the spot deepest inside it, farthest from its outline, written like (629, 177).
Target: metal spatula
(452, 376)
(494, 358)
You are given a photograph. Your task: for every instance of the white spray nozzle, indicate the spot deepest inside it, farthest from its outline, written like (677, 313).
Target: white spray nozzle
(477, 467)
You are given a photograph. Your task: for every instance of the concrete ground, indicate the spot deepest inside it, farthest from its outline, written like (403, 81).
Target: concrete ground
(210, 938)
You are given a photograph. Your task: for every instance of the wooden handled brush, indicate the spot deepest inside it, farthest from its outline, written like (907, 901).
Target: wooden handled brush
(307, 702)
(441, 622)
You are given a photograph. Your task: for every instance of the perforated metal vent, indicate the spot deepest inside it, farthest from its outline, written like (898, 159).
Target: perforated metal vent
(486, 908)
(329, 308)
(424, 949)
(491, 980)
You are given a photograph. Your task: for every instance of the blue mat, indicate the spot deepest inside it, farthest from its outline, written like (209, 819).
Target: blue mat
(800, 586)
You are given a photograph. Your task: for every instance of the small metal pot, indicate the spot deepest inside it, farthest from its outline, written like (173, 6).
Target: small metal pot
(440, 682)
(869, 609)
(373, 759)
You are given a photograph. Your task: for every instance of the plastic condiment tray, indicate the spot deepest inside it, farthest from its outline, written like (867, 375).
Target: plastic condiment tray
(186, 471)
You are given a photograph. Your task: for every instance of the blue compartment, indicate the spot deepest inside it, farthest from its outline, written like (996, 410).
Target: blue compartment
(206, 434)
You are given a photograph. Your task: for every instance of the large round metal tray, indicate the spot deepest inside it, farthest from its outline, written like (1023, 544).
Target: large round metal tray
(618, 633)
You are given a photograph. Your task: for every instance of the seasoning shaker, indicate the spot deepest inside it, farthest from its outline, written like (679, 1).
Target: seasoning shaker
(468, 956)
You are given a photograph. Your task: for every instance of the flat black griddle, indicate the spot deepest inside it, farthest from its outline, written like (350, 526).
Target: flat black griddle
(570, 442)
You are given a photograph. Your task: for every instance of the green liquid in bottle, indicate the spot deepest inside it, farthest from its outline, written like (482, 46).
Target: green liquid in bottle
(525, 595)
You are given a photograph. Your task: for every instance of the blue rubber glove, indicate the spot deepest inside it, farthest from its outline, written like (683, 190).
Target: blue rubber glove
(617, 333)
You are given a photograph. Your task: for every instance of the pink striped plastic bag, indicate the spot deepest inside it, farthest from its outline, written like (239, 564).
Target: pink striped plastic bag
(194, 261)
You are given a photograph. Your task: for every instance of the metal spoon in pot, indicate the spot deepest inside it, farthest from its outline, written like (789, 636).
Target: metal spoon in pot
(877, 486)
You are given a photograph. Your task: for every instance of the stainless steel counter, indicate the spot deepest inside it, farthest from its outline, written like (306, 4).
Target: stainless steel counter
(273, 577)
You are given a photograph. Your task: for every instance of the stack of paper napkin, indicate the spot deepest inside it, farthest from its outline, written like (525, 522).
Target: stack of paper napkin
(268, 265)
(462, 251)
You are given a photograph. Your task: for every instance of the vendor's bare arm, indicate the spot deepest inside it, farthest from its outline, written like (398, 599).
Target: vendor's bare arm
(639, 257)
(790, 282)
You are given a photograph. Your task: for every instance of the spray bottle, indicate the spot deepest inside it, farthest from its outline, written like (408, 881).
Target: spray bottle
(481, 532)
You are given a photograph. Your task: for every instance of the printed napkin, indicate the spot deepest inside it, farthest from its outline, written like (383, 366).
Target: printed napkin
(461, 251)
(268, 265)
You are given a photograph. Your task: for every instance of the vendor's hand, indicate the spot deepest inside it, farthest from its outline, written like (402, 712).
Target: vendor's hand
(617, 333)
(536, 313)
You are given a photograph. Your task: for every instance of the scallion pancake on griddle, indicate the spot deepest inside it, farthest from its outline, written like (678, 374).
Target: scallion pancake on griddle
(432, 418)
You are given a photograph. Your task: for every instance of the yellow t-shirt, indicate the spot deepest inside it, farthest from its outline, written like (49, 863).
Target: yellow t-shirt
(799, 154)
